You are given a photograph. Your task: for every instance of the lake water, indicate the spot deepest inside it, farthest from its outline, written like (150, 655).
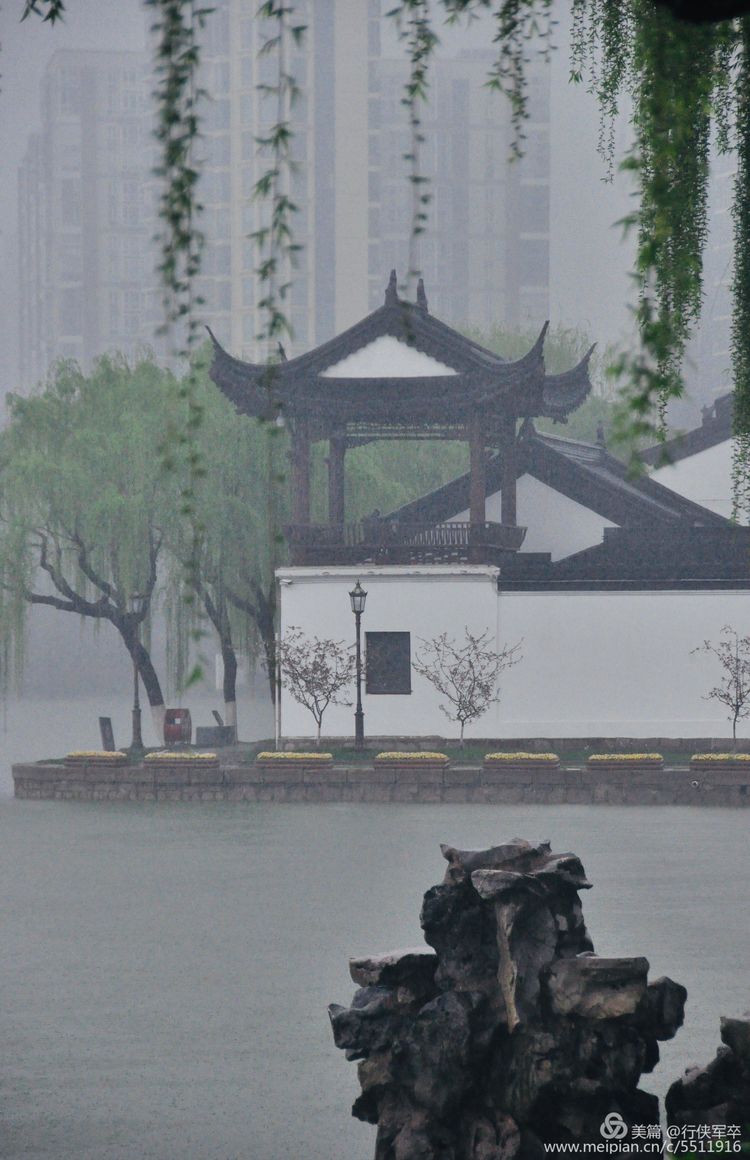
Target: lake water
(165, 969)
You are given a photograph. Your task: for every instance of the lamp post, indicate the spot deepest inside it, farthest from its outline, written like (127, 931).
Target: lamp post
(358, 597)
(136, 745)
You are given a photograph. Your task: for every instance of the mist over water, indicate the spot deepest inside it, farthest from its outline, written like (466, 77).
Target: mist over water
(166, 968)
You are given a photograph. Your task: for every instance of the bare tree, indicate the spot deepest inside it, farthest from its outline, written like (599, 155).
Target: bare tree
(315, 671)
(733, 654)
(467, 674)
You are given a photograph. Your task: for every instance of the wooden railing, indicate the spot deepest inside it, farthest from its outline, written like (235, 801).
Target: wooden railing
(391, 541)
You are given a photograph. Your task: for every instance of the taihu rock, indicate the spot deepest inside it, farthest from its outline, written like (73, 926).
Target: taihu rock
(510, 1033)
(720, 1092)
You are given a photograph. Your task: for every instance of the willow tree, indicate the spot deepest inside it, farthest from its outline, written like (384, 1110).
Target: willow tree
(84, 506)
(233, 563)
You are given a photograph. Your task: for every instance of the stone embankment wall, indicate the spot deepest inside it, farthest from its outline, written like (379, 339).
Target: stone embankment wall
(722, 786)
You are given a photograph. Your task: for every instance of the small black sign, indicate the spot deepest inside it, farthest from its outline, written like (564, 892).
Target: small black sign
(108, 736)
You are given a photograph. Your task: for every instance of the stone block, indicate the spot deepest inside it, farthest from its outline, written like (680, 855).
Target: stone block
(457, 794)
(328, 775)
(578, 795)
(595, 988)
(461, 776)
(406, 792)
(420, 774)
(282, 773)
(242, 775)
(383, 774)
(376, 791)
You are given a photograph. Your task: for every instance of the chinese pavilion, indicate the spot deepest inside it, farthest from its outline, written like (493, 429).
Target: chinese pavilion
(400, 373)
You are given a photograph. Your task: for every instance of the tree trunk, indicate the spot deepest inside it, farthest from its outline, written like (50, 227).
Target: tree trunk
(215, 604)
(266, 622)
(146, 671)
(262, 608)
(229, 661)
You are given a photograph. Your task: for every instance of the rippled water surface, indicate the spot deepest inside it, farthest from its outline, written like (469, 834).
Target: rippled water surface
(165, 969)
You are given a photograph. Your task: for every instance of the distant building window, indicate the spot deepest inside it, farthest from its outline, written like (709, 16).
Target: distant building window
(70, 91)
(535, 161)
(70, 202)
(388, 662)
(534, 209)
(71, 312)
(533, 262)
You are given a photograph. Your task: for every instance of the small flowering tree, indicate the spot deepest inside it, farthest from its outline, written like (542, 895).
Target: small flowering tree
(733, 654)
(315, 672)
(467, 675)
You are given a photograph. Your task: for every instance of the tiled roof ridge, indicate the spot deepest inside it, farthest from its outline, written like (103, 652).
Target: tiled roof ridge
(608, 487)
(716, 428)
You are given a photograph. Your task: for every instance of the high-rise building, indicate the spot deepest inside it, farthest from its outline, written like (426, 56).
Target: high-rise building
(328, 183)
(485, 253)
(485, 250)
(87, 194)
(86, 282)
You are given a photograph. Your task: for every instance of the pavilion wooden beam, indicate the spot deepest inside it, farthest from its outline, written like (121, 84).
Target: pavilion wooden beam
(508, 508)
(300, 474)
(478, 483)
(336, 500)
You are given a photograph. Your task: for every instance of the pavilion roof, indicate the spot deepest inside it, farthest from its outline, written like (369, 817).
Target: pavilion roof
(470, 379)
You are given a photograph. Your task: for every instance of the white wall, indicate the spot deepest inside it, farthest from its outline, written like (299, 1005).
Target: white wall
(593, 663)
(614, 663)
(423, 602)
(555, 523)
(705, 478)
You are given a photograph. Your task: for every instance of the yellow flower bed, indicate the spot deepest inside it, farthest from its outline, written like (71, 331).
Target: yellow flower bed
(720, 757)
(280, 755)
(421, 755)
(167, 755)
(99, 754)
(521, 757)
(635, 757)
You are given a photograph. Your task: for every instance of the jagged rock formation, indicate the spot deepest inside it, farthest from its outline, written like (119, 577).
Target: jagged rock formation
(720, 1092)
(510, 1033)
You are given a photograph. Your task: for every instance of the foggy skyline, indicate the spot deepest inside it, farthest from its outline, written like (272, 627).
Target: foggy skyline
(590, 262)
(576, 240)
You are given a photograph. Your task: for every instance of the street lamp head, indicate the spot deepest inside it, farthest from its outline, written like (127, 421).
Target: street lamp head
(358, 597)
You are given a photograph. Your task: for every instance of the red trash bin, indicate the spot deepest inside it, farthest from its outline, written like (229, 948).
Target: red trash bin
(178, 727)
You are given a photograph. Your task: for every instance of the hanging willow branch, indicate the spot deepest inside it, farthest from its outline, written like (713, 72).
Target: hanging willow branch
(682, 79)
(517, 22)
(415, 30)
(673, 79)
(277, 251)
(274, 238)
(176, 30)
(741, 287)
(47, 10)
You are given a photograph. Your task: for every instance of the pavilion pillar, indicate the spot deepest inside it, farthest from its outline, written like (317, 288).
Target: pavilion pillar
(300, 474)
(508, 513)
(477, 486)
(336, 452)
